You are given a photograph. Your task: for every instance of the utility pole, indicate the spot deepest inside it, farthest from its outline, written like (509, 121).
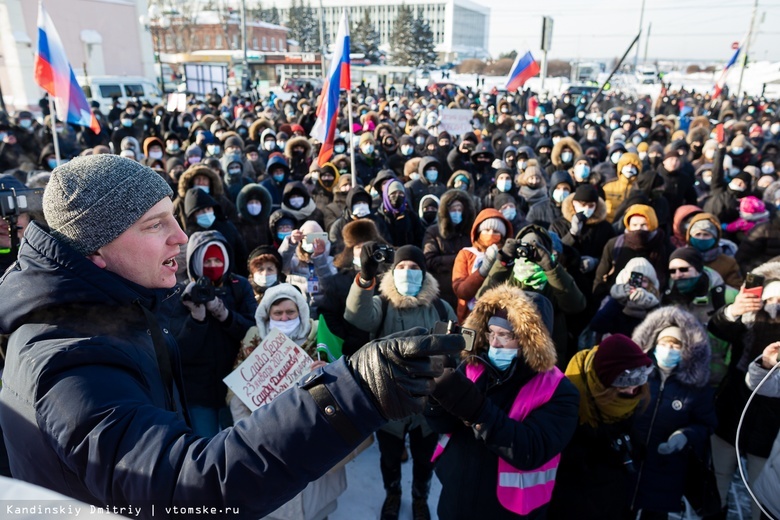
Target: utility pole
(747, 51)
(647, 42)
(245, 65)
(641, 20)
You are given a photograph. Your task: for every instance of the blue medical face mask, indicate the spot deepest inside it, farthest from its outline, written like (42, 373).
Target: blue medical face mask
(408, 282)
(504, 185)
(456, 217)
(509, 213)
(501, 358)
(703, 244)
(432, 175)
(281, 235)
(686, 285)
(205, 220)
(667, 357)
(278, 177)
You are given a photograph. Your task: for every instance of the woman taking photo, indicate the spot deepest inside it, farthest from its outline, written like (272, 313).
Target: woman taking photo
(506, 412)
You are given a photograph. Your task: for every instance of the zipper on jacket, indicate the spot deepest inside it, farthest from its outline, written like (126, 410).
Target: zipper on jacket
(647, 440)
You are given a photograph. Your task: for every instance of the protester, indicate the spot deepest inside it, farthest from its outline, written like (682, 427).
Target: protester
(408, 297)
(106, 409)
(506, 409)
(680, 416)
(593, 477)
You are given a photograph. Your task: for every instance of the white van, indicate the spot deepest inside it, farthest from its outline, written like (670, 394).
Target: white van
(104, 89)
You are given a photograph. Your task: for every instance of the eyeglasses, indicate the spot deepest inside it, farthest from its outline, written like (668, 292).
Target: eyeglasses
(503, 337)
(673, 270)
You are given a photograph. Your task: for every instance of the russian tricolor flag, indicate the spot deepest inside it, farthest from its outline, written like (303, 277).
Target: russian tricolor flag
(718, 88)
(524, 68)
(324, 129)
(54, 74)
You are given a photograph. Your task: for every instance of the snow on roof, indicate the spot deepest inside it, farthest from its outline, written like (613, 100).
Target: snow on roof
(215, 18)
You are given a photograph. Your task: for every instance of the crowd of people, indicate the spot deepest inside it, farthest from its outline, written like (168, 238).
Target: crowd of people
(618, 262)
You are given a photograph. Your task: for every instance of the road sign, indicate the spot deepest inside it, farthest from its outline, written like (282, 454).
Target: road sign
(547, 27)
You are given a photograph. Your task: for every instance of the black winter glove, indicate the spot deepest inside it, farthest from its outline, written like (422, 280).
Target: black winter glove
(543, 258)
(509, 251)
(368, 266)
(398, 370)
(457, 394)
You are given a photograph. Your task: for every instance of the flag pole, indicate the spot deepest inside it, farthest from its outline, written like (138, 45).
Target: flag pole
(351, 138)
(349, 108)
(54, 136)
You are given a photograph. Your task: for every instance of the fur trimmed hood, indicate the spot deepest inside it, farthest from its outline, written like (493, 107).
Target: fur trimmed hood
(428, 292)
(185, 181)
(555, 155)
(694, 367)
(600, 215)
(447, 229)
(297, 141)
(536, 344)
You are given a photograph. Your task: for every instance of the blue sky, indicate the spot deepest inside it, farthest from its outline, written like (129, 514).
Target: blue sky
(602, 29)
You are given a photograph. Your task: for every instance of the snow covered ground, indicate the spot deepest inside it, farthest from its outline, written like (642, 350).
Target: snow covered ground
(365, 494)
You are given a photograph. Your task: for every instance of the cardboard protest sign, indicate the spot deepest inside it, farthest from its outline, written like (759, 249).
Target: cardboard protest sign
(273, 367)
(456, 121)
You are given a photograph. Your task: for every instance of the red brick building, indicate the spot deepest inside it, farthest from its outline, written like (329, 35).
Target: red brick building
(211, 30)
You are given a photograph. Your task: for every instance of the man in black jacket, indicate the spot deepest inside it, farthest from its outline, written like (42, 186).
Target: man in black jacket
(92, 403)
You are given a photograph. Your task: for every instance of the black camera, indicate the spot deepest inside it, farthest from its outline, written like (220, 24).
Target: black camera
(450, 327)
(622, 446)
(202, 292)
(383, 253)
(524, 250)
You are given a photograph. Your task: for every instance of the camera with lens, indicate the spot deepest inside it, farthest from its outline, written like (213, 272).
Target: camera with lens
(524, 250)
(383, 253)
(622, 446)
(202, 292)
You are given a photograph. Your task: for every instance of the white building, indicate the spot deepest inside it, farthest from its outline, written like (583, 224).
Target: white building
(100, 37)
(460, 27)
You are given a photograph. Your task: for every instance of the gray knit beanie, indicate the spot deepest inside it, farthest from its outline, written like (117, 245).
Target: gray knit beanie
(91, 200)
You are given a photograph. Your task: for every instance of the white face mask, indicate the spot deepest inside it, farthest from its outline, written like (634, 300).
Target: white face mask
(628, 171)
(296, 202)
(360, 210)
(156, 155)
(286, 327)
(254, 208)
(269, 146)
(263, 280)
(309, 248)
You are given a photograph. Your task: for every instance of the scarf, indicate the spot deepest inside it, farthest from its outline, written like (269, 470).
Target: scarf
(596, 406)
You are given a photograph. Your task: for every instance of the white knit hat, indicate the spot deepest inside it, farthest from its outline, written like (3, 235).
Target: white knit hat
(637, 265)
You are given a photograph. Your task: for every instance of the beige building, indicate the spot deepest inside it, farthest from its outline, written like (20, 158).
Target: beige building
(101, 37)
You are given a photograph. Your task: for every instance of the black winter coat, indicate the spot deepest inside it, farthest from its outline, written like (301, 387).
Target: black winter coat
(468, 468)
(209, 348)
(89, 413)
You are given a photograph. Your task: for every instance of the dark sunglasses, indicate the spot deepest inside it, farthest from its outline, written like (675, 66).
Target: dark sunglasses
(673, 270)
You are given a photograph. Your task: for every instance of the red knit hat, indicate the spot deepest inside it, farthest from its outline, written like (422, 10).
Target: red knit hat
(620, 362)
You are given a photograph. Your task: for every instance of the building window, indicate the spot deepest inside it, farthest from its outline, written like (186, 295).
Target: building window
(235, 41)
(168, 41)
(218, 42)
(254, 43)
(273, 44)
(265, 43)
(281, 44)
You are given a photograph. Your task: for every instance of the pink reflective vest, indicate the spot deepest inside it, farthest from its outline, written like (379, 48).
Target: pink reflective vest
(522, 491)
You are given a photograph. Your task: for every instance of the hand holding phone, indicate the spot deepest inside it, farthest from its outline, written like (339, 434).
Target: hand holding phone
(754, 284)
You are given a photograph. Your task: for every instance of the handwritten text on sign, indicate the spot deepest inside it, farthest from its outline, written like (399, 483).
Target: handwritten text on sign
(456, 121)
(273, 367)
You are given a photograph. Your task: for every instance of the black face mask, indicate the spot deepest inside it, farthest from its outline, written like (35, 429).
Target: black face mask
(429, 216)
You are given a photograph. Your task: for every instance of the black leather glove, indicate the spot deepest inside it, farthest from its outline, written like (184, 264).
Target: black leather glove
(368, 266)
(543, 258)
(398, 370)
(509, 251)
(457, 394)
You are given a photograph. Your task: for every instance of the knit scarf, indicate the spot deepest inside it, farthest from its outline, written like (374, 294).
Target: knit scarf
(593, 394)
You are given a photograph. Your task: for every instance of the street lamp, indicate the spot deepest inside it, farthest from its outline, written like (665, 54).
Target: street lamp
(155, 18)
